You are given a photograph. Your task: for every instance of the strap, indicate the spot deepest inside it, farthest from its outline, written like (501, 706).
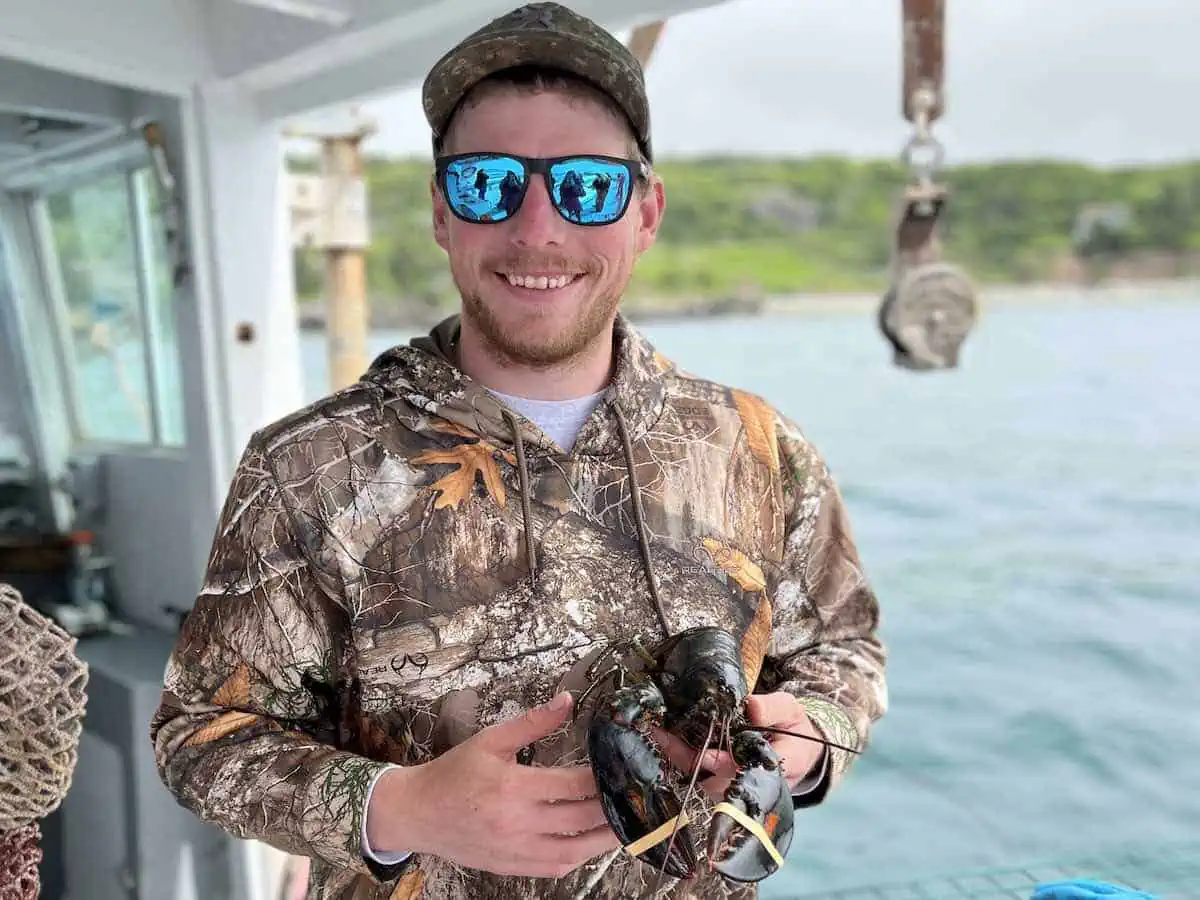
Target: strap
(657, 836)
(751, 826)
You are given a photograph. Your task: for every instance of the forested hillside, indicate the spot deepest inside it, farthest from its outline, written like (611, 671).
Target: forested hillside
(740, 227)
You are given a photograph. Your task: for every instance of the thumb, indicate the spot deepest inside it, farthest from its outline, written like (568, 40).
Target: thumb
(532, 725)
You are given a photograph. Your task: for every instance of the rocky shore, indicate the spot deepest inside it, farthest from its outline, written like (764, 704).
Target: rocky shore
(391, 315)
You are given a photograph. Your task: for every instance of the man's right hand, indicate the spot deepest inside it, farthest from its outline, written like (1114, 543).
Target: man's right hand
(478, 807)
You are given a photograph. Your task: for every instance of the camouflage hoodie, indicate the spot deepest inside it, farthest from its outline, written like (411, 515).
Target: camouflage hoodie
(408, 560)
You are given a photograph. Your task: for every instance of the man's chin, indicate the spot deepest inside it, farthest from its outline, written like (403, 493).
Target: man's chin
(536, 351)
(537, 335)
(537, 341)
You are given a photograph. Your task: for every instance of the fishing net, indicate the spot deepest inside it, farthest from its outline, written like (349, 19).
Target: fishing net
(42, 700)
(20, 856)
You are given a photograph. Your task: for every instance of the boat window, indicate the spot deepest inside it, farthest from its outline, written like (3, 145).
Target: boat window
(108, 257)
(13, 452)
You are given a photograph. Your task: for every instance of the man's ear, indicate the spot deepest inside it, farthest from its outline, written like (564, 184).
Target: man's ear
(440, 216)
(651, 206)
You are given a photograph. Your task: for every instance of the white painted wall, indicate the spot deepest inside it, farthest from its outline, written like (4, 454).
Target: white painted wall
(242, 218)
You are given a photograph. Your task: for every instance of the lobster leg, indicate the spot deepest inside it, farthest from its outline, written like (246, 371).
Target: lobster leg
(638, 802)
(751, 830)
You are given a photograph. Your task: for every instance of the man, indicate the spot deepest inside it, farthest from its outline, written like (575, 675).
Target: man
(406, 574)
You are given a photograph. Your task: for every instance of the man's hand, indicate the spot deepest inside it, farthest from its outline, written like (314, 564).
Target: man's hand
(779, 710)
(476, 806)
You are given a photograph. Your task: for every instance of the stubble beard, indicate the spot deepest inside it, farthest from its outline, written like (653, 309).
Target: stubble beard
(510, 347)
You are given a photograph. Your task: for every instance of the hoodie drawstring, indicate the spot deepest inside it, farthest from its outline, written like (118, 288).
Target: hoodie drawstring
(526, 507)
(636, 496)
(639, 520)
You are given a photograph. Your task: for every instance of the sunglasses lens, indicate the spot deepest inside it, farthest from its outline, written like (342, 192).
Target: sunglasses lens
(486, 187)
(590, 191)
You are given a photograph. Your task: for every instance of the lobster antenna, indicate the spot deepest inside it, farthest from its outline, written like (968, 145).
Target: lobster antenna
(806, 737)
(683, 807)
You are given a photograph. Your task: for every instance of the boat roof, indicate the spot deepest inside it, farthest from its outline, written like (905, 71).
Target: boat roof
(293, 56)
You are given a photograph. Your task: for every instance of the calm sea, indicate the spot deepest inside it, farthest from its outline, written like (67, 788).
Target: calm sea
(1031, 523)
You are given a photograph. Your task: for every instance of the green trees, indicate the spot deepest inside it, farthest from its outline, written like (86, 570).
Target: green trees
(738, 226)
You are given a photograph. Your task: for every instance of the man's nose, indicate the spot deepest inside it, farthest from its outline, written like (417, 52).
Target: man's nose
(537, 223)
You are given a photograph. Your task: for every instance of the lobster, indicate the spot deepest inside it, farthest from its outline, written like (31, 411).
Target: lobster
(692, 685)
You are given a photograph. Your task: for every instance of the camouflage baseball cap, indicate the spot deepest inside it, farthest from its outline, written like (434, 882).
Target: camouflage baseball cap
(544, 34)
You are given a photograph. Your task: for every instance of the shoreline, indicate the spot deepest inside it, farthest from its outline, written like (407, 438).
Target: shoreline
(312, 316)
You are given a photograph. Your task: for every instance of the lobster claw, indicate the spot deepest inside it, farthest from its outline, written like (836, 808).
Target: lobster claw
(751, 831)
(639, 804)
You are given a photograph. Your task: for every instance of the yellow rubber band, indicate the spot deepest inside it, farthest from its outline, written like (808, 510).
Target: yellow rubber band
(657, 836)
(751, 826)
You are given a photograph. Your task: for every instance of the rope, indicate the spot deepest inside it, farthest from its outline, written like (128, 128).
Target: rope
(20, 857)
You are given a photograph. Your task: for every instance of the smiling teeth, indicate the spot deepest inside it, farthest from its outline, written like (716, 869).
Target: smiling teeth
(540, 282)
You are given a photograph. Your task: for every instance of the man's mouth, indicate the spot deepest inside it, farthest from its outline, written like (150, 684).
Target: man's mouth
(539, 282)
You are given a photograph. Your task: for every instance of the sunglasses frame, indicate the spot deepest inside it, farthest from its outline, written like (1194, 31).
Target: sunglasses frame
(534, 165)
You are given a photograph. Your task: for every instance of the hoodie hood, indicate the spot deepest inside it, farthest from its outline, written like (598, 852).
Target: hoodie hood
(427, 373)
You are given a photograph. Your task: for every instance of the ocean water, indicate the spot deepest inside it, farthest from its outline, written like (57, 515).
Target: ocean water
(1031, 523)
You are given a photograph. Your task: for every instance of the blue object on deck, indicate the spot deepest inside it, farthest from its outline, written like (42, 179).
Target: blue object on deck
(1086, 889)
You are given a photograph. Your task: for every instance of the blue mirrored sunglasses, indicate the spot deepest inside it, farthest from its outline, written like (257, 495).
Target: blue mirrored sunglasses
(490, 187)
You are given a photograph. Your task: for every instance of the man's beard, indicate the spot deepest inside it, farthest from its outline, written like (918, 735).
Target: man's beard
(515, 347)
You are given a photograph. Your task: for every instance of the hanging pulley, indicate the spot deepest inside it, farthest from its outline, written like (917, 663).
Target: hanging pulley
(930, 305)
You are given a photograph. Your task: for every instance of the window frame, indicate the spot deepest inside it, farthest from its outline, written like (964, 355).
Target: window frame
(133, 165)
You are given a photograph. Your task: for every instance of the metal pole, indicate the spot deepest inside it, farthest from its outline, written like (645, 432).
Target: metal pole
(345, 263)
(341, 230)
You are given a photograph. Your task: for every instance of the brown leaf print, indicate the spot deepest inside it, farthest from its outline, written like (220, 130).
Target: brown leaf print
(235, 692)
(756, 642)
(470, 459)
(409, 887)
(222, 725)
(759, 423)
(736, 565)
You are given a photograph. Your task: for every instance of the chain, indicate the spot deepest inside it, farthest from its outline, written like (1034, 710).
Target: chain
(923, 154)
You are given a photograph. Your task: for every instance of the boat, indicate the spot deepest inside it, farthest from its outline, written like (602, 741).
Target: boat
(148, 327)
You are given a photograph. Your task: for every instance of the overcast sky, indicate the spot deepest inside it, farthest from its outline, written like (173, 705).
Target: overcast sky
(1105, 81)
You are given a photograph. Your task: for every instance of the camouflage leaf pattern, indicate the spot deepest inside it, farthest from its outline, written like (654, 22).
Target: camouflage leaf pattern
(369, 597)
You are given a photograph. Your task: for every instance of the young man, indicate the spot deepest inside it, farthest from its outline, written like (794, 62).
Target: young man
(406, 574)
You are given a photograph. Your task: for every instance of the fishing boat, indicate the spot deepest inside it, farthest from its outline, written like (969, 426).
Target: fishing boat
(148, 326)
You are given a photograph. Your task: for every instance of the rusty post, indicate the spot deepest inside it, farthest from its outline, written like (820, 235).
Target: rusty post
(643, 41)
(924, 57)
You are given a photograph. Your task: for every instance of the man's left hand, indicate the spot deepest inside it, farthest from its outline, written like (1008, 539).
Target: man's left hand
(778, 710)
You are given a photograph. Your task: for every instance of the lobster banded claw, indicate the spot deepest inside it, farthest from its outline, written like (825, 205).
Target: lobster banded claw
(751, 831)
(638, 802)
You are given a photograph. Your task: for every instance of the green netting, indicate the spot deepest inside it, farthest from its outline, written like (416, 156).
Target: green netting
(1168, 872)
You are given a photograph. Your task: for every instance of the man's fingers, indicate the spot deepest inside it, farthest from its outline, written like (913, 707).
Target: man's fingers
(683, 757)
(716, 786)
(510, 736)
(779, 708)
(572, 816)
(552, 784)
(583, 847)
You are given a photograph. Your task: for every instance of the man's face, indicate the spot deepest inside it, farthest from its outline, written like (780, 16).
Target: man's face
(534, 325)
